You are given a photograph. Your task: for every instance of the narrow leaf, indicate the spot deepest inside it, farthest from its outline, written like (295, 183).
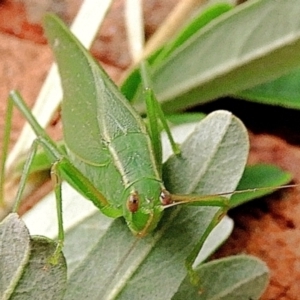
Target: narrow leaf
(182, 118)
(284, 91)
(193, 27)
(131, 83)
(259, 176)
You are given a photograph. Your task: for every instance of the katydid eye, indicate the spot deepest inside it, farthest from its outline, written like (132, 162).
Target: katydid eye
(165, 197)
(133, 202)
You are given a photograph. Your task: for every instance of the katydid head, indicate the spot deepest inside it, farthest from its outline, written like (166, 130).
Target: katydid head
(144, 207)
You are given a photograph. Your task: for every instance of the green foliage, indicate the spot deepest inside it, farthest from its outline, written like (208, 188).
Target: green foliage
(284, 91)
(236, 277)
(25, 270)
(229, 55)
(197, 66)
(259, 177)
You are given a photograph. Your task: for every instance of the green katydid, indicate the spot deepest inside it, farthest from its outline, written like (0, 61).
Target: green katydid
(107, 142)
(119, 150)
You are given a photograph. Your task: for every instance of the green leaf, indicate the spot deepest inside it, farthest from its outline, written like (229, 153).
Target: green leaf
(25, 271)
(118, 265)
(130, 85)
(14, 253)
(231, 54)
(267, 177)
(236, 277)
(41, 279)
(193, 27)
(115, 262)
(89, 230)
(284, 91)
(177, 119)
(213, 146)
(124, 266)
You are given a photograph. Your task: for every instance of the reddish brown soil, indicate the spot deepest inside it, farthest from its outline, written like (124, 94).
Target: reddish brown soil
(267, 228)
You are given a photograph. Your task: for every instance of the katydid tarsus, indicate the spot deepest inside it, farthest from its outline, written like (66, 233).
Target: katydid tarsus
(112, 158)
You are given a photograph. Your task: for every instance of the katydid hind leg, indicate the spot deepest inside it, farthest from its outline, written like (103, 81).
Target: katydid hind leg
(62, 169)
(57, 180)
(23, 180)
(71, 174)
(57, 188)
(25, 174)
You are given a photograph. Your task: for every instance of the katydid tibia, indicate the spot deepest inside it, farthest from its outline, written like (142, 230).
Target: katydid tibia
(112, 158)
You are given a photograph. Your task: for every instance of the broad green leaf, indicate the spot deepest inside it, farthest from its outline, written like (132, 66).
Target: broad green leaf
(231, 278)
(259, 176)
(103, 266)
(121, 266)
(203, 154)
(144, 268)
(231, 54)
(130, 85)
(14, 253)
(193, 27)
(92, 228)
(284, 91)
(89, 229)
(25, 270)
(41, 279)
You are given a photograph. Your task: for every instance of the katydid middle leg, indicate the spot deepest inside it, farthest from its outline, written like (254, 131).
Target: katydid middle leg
(155, 113)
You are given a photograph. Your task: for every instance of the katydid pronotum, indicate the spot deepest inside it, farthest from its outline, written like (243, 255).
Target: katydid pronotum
(106, 142)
